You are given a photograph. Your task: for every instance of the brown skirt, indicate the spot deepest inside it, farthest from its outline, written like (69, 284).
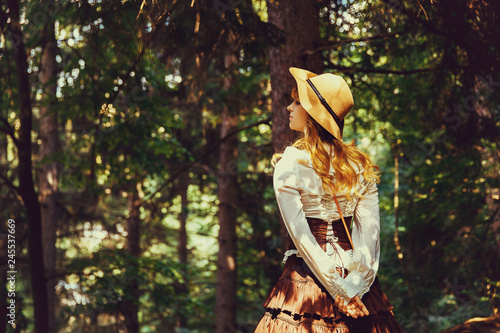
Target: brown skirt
(298, 303)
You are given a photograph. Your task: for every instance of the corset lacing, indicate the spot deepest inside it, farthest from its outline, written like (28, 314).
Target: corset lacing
(332, 238)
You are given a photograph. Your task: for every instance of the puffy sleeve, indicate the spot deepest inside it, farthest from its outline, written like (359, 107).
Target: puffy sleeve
(362, 265)
(366, 242)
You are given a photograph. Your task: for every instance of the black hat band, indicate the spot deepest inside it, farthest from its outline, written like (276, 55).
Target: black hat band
(339, 122)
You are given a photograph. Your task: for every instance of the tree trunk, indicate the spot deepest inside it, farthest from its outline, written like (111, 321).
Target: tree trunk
(226, 262)
(130, 304)
(48, 174)
(26, 184)
(298, 19)
(181, 287)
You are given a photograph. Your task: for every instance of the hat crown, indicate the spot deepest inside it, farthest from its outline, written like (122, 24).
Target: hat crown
(336, 92)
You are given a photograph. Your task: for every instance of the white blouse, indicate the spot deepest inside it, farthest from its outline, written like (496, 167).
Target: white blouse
(300, 194)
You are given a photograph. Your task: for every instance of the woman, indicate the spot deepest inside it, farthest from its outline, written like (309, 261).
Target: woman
(329, 282)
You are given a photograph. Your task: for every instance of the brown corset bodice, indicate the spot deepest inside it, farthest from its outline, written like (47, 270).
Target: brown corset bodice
(319, 229)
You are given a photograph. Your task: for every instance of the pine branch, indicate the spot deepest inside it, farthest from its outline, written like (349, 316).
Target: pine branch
(205, 154)
(344, 69)
(159, 23)
(8, 130)
(331, 45)
(7, 182)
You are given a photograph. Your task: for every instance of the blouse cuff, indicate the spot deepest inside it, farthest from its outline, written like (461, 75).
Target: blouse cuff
(354, 284)
(341, 289)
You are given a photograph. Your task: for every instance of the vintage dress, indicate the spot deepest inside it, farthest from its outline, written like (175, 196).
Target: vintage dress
(303, 299)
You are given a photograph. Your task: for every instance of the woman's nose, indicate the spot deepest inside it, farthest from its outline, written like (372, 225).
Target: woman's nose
(289, 108)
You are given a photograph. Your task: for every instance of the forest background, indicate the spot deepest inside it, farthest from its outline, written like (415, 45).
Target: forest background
(135, 144)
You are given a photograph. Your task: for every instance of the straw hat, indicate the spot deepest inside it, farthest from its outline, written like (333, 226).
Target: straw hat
(326, 97)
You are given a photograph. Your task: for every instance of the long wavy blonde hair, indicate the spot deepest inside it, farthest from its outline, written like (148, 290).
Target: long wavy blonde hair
(326, 151)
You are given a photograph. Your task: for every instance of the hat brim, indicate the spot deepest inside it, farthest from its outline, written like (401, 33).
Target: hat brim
(316, 110)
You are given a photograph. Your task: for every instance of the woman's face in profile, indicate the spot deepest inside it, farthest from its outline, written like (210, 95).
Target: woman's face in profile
(298, 116)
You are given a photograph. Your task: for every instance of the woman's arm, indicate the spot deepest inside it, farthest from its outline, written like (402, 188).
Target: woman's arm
(366, 242)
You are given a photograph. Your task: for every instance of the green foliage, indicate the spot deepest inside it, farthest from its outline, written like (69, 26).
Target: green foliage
(100, 284)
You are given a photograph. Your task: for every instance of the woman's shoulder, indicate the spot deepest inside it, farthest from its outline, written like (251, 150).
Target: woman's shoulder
(292, 151)
(294, 154)
(294, 159)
